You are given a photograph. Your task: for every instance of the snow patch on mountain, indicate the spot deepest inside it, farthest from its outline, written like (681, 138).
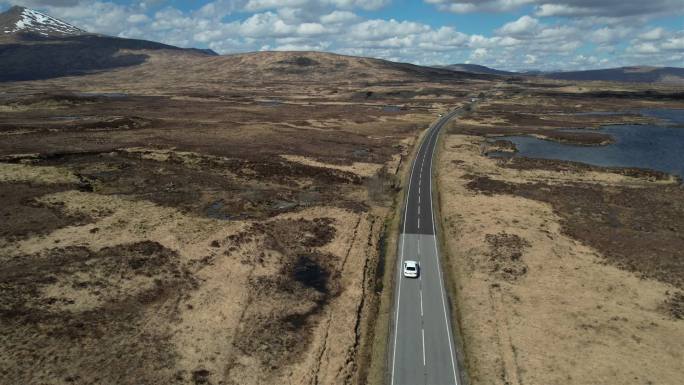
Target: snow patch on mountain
(34, 21)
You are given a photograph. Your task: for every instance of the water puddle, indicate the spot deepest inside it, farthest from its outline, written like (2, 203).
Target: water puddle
(391, 108)
(66, 117)
(602, 113)
(283, 205)
(215, 211)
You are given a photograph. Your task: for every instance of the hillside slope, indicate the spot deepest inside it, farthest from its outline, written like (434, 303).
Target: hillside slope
(36, 46)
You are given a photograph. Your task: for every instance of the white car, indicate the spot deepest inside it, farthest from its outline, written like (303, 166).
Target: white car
(411, 269)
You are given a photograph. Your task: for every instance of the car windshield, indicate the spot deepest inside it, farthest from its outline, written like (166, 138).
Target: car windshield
(410, 268)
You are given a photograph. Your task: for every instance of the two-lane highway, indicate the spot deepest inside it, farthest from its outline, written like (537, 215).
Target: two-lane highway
(423, 348)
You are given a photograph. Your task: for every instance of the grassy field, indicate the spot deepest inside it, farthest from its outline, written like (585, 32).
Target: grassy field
(237, 223)
(221, 225)
(564, 273)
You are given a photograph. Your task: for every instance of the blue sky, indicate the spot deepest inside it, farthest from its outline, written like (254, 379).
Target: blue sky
(506, 34)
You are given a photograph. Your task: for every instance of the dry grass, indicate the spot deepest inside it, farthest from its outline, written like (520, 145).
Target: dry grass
(10, 172)
(214, 226)
(203, 322)
(359, 168)
(536, 305)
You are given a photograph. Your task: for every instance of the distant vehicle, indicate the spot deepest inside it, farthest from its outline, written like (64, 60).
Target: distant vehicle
(411, 269)
(473, 100)
(440, 115)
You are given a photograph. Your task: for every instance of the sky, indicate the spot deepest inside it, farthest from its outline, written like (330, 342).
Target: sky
(505, 34)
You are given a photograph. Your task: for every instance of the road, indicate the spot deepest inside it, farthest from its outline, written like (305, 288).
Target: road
(423, 349)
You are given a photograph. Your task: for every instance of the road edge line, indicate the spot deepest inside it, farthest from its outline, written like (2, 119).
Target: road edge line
(438, 229)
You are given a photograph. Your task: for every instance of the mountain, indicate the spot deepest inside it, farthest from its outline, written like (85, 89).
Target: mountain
(478, 69)
(641, 74)
(23, 20)
(37, 46)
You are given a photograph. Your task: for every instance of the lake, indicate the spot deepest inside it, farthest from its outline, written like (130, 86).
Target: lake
(657, 147)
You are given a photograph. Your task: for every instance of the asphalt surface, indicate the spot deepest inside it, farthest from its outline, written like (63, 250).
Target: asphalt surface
(422, 343)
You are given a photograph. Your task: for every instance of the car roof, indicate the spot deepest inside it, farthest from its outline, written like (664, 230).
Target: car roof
(411, 263)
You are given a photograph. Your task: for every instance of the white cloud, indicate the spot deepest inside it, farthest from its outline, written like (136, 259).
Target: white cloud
(97, 16)
(567, 8)
(546, 10)
(219, 8)
(261, 5)
(363, 4)
(525, 25)
(607, 8)
(41, 3)
(609, 35)
(137, 18)
(338, 17)
(674, 44)
(321, 46)
(171, 19)
(644, 48)
(379, 29)
(443, 38)
(654, 34)
(263, 25)
(311, 29)
(479, 54)
(467, 6)
(660, 45)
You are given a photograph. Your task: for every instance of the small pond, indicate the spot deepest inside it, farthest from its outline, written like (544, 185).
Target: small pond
(391, 108)
(216, 211)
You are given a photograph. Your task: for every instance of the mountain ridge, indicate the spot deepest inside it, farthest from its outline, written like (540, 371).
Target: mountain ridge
(478, 69)
(21, 20)
(629, 74)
